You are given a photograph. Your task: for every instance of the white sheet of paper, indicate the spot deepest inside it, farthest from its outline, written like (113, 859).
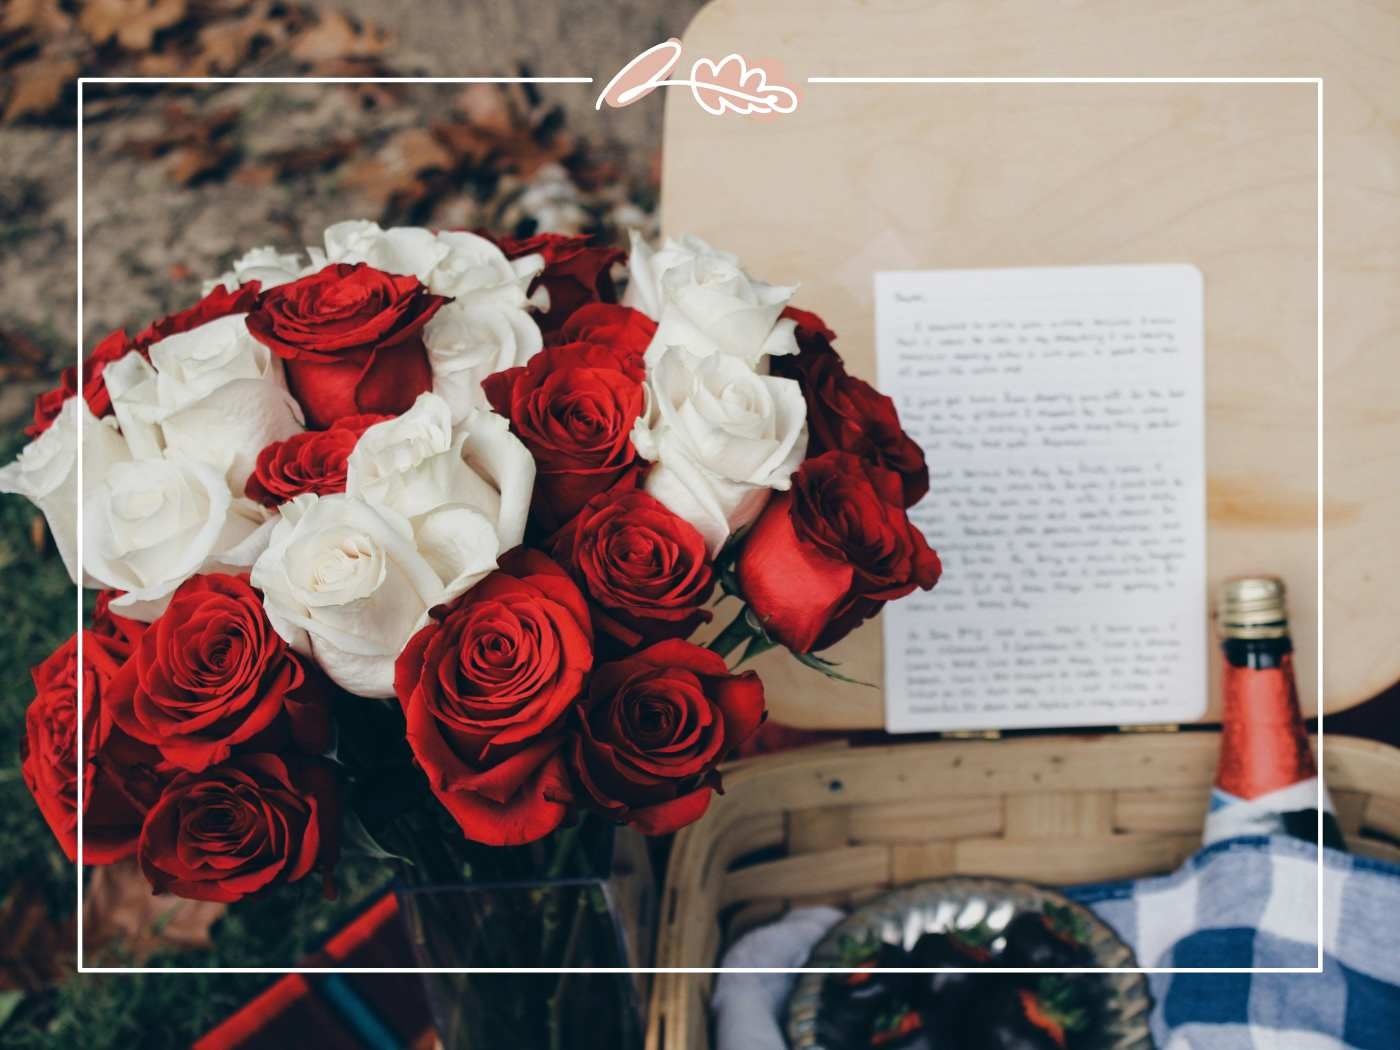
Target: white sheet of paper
(1062, 413)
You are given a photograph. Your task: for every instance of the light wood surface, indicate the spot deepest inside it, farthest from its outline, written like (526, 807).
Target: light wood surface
(840, 826)
(870, 177)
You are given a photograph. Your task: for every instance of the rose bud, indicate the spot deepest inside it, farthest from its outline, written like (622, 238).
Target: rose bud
(47, 405)
(656, 727)
(220, 302)
(574, 274)
(211, 675)
(312, 461)
(109, 625)
(847, 414)
(827, 555)
(573, 405)
(255, 820)
(119, 779)
(646, 571)
(350, 337)
(485, 689)
(618, 326)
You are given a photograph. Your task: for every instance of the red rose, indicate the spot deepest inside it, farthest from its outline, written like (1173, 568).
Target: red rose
(221, 302)
(828, 554)
(48, 404)
(573, 406)
(119, 778)
(656, 727)
(108, 624)
(485, 689)
(312, 461)
(255, 820)
(351, 338)
(618, 326)
(211, 675)
(646, 570)
(574, 274)
(847, 414)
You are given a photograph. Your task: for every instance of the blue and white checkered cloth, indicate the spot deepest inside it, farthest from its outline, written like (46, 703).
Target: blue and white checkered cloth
(1246, 902)
(1252, 902)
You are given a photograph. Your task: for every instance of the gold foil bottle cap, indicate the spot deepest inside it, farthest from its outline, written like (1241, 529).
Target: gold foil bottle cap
(1252, 607)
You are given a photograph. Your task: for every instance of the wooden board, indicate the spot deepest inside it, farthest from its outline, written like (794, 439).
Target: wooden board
(867, 177)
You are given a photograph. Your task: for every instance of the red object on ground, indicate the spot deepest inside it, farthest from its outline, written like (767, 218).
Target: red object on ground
(339, 1011)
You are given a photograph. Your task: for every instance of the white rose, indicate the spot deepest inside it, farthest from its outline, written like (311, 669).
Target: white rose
(46, 472)
(710, 306)
(722, 437)
(645, 268)
(344, 583)
(213, 394)
(464, 490)
(452, 263)
(470, 339)
(149, 524)
(476, 268)
(400, 250)
(266, 265)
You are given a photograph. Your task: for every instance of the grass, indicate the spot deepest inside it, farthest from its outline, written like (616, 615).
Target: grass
(100, 1011)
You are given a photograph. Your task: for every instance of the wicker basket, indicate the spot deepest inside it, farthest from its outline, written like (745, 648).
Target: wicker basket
(839, 825)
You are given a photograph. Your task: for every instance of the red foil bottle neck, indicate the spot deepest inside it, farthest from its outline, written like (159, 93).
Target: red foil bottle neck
(1264, 745)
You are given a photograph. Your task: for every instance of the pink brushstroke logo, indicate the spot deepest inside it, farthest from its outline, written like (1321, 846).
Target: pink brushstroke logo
(730, 85)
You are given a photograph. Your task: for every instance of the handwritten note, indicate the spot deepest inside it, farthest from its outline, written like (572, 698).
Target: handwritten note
(1062, 412)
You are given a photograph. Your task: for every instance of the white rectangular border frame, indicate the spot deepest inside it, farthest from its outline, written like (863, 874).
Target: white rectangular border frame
(1315, 81)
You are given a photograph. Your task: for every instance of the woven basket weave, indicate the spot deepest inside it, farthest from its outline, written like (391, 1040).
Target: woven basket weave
(840, 825)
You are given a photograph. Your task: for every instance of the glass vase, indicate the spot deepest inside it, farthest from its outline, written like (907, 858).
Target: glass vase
(586, 898)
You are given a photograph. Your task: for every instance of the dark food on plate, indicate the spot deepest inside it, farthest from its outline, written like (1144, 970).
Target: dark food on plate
(874, 1009)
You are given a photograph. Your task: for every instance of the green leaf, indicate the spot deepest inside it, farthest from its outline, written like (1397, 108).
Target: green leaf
(759, 643)
(9, 1003)
(828, 668)
(359, 840)
(738, 631)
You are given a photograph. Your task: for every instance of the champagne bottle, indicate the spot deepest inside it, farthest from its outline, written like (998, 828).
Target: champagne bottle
(1266, 777)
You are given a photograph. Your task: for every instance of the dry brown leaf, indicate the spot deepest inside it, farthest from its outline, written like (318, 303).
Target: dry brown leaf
(518, 152)
(380, 185)
(21, 358)
(397, 174)
(121, 912)
(336, 36)
(43, 17)
(416, 150)
(504, 128)
(39, 86)
(35, 952)
(132, 23)
(223, 46)
(191, 163)
(158, 64)
(255, 175)
(487, 107)
(184, 126)
(302, 159)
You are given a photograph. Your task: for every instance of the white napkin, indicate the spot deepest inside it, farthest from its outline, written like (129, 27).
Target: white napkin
(749, 1007)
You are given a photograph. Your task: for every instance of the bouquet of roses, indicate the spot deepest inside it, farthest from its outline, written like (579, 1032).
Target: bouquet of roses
(436, 512)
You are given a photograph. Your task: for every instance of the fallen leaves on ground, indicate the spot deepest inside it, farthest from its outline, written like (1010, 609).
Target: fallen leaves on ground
(123, 916)
(194, 142)
(37, 951)
(21, 357)
(45, 44)
(491, 131)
